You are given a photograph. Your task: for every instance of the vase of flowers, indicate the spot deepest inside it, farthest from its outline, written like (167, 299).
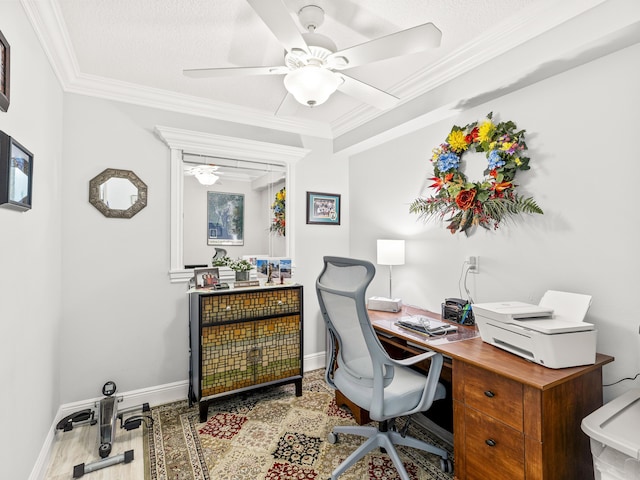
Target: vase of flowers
(242, 268)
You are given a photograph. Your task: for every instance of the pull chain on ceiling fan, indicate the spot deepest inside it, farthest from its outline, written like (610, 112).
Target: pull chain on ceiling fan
(314, 68)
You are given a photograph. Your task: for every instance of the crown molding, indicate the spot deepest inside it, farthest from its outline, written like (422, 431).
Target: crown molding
(204, 143)
(48, 23)
(49, 26)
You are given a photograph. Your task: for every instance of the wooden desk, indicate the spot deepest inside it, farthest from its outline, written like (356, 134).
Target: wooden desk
(513, 419)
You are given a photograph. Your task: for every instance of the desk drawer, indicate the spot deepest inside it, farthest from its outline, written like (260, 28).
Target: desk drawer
(494, 395)
(492, 450)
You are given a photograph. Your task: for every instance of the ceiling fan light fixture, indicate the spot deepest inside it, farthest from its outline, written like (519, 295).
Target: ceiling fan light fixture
(311, 85)
(206, 177)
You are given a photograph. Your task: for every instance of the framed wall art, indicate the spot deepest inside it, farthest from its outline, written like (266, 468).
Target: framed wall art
(16, 174)
(323, 208)
(225, 218)
(5, 63)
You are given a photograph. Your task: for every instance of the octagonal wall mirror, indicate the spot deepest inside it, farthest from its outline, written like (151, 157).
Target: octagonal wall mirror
(117, 193)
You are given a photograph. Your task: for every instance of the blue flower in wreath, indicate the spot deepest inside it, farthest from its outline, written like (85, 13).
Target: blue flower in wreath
(448, 161)
(495, 160)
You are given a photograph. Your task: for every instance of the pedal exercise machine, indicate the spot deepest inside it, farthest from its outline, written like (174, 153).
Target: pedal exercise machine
(107, 416)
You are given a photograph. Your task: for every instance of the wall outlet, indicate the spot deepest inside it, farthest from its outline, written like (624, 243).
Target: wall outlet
(472, 261)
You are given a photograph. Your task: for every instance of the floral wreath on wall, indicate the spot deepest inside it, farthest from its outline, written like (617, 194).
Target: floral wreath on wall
(486, 202)
(278, 206)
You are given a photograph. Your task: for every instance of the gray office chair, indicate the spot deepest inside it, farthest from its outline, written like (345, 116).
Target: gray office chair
(363, 371)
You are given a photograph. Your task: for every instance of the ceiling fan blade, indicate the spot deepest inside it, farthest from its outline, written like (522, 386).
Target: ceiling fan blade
(276, 15)
(234, 71)
(412, 40)
(366, 93)
(288, 107)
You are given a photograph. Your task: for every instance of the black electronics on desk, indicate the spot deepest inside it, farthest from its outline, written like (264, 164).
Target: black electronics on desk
(457, 310)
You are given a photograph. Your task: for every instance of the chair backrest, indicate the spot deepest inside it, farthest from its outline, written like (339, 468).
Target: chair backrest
(341, 289)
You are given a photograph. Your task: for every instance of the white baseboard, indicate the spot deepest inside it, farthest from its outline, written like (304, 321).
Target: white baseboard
(42, 462)
(314, 362)
(158, 395)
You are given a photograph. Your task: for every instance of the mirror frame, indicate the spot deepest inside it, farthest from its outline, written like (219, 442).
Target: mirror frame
(109, 173)
(181, 142)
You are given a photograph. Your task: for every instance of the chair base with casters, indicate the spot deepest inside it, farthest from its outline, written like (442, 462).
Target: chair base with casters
(364, 373)
(386, 439)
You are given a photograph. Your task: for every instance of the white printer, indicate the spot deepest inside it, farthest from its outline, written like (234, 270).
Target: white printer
(551, 333)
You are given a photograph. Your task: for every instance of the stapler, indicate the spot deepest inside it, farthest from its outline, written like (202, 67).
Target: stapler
(107, 418)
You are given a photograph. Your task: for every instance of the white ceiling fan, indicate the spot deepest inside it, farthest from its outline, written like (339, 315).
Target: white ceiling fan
(205, 174)
(314, 69)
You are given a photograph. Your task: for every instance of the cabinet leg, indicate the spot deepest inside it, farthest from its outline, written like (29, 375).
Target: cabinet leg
(204, 411)
(298, 384)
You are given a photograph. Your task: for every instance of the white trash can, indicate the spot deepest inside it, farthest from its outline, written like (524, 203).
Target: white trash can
(614, 431)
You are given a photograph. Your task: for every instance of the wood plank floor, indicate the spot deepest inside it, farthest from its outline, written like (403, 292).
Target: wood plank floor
(80, 445)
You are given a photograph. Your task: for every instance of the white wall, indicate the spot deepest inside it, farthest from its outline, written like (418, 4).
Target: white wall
(581, 129)
(30, 257)
(320, 171)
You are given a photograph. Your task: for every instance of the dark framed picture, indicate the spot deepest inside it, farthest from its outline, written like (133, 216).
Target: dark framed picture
(206, 277)
(5, 63)
(16, 174)
(323, 208)
(225, 218)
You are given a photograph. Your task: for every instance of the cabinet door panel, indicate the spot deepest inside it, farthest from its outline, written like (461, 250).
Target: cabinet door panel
(226, 358)
(279, 342)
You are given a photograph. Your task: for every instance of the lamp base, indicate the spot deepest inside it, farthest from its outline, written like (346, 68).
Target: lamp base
(383, 304)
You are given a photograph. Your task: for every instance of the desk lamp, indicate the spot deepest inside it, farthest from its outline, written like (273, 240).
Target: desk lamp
(390, 252)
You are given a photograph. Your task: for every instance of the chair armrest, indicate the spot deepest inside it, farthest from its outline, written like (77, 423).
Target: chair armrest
(415, 359)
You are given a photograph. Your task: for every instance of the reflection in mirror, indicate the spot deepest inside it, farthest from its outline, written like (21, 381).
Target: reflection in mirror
(256, 183)
(118, 193)
(200, 143)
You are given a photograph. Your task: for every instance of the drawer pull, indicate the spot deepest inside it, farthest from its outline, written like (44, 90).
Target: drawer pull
(489, 394)
(491, 442)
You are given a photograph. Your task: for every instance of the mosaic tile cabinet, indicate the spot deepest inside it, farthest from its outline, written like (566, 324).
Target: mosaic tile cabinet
(242, 339)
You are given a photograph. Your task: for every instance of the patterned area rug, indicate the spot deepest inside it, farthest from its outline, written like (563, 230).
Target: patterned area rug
(271, 434)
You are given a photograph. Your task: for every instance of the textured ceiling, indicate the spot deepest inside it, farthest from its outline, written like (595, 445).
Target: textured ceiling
(149, 42)
(136, 50)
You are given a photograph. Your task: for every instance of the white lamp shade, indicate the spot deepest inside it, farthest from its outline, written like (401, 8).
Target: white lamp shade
(311, 85)
(390, 252)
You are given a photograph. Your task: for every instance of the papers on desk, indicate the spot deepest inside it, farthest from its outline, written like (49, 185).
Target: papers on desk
(426, 325)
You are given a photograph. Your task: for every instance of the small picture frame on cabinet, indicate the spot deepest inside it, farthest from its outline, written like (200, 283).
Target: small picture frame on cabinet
(208, 278)
(5, 63)
(16, 174)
